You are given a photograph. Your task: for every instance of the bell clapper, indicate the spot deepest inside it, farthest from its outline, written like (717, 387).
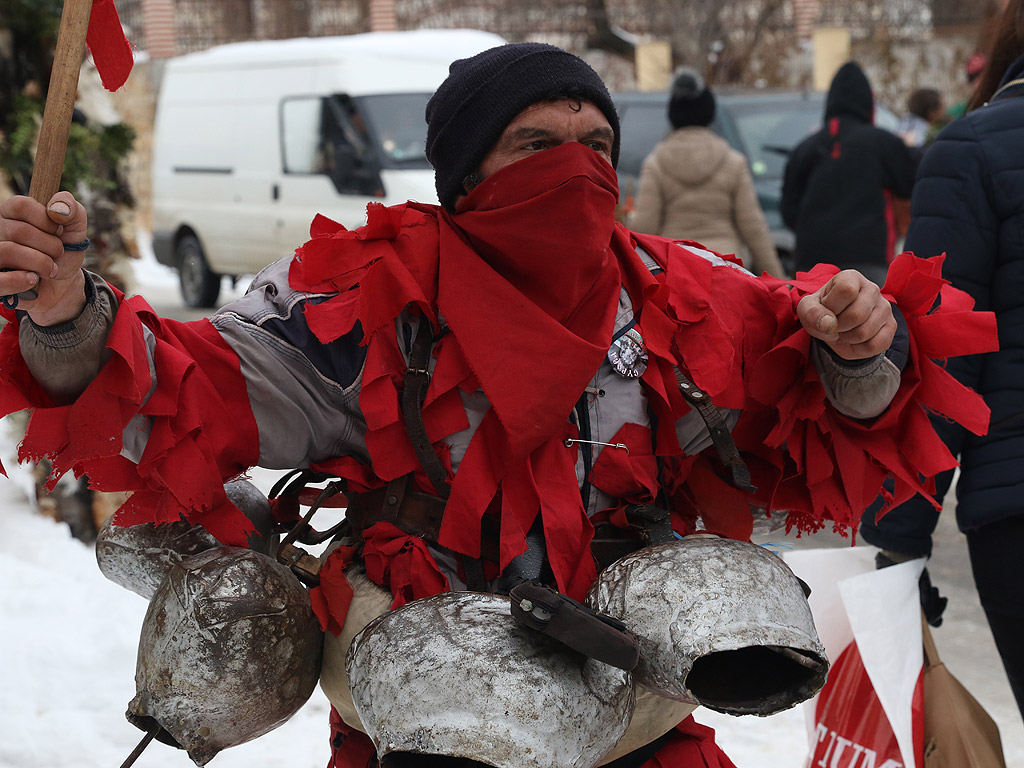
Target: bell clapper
(795, 656)
(148, 737)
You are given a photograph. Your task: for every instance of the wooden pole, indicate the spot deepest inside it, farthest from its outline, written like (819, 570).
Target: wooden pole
(60, 105)
(60, 100)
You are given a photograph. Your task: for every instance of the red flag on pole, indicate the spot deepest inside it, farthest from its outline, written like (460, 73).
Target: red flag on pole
(110, 49)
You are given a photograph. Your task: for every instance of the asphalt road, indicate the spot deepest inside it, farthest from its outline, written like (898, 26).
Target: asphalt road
(166, 299)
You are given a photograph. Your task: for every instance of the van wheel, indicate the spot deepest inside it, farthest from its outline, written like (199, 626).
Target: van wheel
(199, 286)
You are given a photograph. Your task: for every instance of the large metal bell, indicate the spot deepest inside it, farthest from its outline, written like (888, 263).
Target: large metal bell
(721, 623)
(230, 649)
(454, 676)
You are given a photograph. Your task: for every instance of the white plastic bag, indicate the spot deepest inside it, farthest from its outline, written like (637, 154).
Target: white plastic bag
(870, 713)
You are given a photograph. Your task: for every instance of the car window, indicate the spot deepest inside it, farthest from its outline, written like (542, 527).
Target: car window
(641, 125)
(395, 121)
(764, 129)
(769, 129)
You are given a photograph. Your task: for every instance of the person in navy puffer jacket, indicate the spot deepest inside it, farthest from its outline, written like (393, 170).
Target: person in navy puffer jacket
(968, 202)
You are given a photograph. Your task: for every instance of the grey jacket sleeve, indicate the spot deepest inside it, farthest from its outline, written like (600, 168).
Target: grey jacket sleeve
(65, 358)
(862, 389)
(859, 391)
(303, 394)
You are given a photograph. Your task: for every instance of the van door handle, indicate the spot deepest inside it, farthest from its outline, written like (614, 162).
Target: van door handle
(275, 192)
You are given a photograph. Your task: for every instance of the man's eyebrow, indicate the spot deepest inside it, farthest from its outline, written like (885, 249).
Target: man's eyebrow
(604, 132)
(534, 132)
(526, 132)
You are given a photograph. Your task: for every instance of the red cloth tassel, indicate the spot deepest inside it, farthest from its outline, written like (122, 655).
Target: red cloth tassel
(691, 745)
(332, 597)
(110, 49)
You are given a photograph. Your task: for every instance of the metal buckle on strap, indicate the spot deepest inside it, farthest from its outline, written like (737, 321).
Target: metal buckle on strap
(304, 565)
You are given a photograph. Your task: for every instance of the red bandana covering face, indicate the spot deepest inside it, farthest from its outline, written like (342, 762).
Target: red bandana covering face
(529, 285)
(544, 224)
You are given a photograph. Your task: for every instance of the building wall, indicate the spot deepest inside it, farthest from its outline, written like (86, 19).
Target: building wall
(749, 42)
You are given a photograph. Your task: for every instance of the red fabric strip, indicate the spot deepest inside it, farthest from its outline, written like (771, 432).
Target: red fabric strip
(201, 431)
(401, 563)
(110, 49)
(691, 745)
(331, 598)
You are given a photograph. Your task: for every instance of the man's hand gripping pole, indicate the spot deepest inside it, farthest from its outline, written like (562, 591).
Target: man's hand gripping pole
(60, 105)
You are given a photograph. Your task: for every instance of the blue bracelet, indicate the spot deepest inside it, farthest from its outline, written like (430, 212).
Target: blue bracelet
(11, 302)
(77, 246)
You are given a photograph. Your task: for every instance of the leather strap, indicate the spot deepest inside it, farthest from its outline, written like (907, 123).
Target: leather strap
(414, 512)
(648, 525)
(414, 392)
(597, 635)
(411, 511)
(417, 513)
(607, 549)
(654, 523)
(720, 436)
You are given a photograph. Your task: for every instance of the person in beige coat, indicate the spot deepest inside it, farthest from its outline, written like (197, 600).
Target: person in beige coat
(694, 186)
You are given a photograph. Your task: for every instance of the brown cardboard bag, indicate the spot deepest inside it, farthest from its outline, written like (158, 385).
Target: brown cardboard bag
(958, 732)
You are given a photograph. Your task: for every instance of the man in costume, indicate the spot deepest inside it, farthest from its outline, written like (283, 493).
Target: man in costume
(516, 293)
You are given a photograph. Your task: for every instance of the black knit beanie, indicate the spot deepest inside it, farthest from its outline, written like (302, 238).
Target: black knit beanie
(484, 93)
(691, 101)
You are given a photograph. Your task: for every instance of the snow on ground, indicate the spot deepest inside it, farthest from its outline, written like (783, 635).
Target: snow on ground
(69, 642)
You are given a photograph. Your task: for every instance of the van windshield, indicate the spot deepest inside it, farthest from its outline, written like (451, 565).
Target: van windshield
(396, 123)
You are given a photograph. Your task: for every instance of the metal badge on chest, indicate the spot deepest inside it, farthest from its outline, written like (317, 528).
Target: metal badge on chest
(628, 354)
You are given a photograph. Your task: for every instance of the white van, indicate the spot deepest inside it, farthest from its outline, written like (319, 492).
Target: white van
(253, 139)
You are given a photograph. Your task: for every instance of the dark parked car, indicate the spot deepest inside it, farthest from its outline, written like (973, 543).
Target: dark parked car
(762, 124)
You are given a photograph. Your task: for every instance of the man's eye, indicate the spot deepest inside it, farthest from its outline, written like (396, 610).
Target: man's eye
(539, 144)
(599, 146)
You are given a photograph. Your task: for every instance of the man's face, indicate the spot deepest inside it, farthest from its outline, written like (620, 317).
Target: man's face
(548, 124)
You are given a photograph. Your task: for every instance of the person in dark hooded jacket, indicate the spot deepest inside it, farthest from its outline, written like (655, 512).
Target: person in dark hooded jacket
(968, 204)
(839, 182)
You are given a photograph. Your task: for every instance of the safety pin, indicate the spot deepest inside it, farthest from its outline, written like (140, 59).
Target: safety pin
(570, 440)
